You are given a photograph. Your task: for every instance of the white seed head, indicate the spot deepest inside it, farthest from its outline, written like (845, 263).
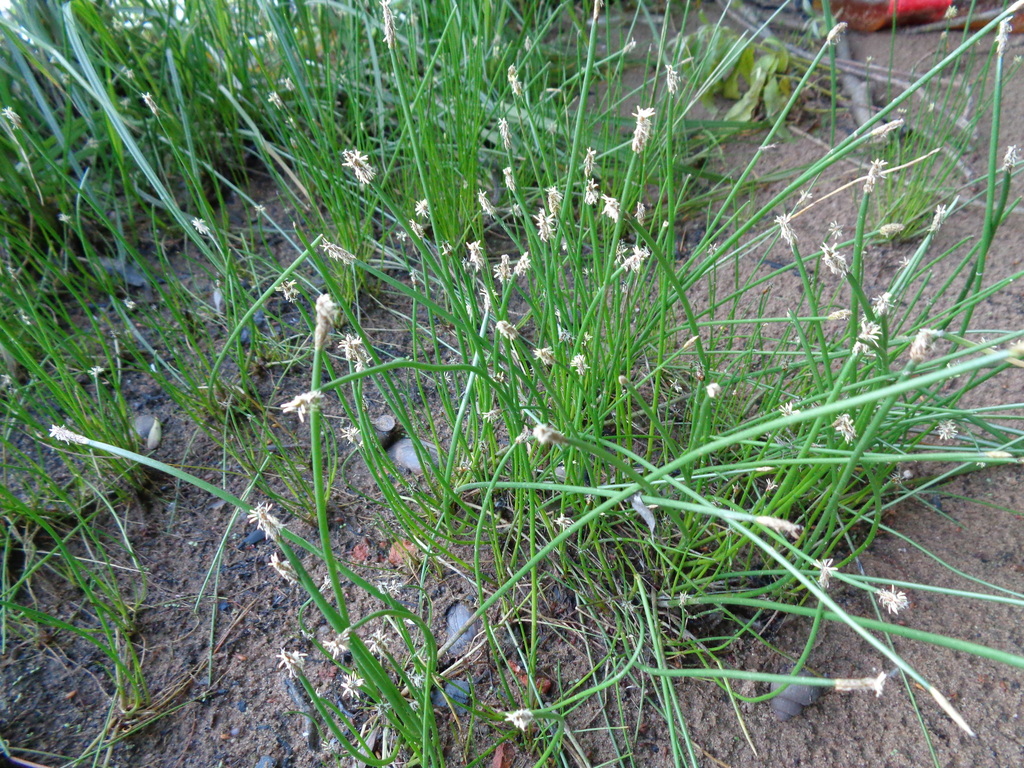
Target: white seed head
(389, 23)
(12, 117)
(785, 229)
(513, 80)
(523, 265)
(611, 207)
(641, 212)
(351, 685)
(1002, 36)
(65, 435)
(642, 131)
(827, 569)
(336, 252)
(833, 260)
(284, 569)
(360, 166)
(862, 683)
(1011, 158)
(881, 305)
(485, 204)
(879, 133)
(892, 600)
(844, 426)
(503, 269)
(336, 647)
(326, 317)
(266, 522)
(506, 329)
(922, 344)
(546, 435)
(293, 661)
(475, 259)
(779, 525)
(545, 225)
(636, 258)
(554, 200)
(523, 718)
(671, 79)
(588, 162)
(875, 172)
(288, 289)
(354, 350)
(938, 218)
(835, 33)
(302, 404)
(546, 355)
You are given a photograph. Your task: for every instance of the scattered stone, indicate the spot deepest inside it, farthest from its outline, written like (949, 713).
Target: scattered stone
(148, 428)
(791, 702)
(403, 453)
(457, 691)
(131, 274)
(254, 538)
(386, 429)
(267, 762)
(457, 617)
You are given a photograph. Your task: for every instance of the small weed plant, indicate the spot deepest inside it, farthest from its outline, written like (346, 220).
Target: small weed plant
(216, 196)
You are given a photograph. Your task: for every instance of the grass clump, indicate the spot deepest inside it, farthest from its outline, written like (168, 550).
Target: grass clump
(597, 408)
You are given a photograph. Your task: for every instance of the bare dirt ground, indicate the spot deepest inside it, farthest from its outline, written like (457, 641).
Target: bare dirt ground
(230, 707)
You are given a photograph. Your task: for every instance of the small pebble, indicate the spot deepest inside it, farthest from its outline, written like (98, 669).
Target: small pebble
(456, 618)
(458, 691)
(404, 455)
(254, 538)
(385, 423)
(242, 706)
(791, 702)
(148, 428)
(267, 762)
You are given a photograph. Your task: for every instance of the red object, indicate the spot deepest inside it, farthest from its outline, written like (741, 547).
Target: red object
(872, 15)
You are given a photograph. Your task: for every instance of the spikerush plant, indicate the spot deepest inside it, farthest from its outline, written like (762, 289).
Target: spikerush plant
(849, 404)
(940, 127)
(577, 389)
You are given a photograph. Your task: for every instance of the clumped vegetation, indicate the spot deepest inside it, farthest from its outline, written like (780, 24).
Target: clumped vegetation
(598, 405)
